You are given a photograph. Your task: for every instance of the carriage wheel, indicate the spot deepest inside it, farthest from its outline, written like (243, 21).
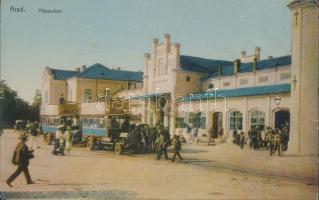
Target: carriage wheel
(90, 143)
(118, 149)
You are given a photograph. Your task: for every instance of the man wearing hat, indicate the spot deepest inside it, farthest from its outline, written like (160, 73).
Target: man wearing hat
(21, 157)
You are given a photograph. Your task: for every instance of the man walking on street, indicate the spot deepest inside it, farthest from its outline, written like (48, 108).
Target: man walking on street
(177, 146)
(21, 157)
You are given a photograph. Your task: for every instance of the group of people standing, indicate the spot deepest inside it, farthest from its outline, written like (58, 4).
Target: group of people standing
(63, 140)
(274, 139)
(154, 139)
(163, 142)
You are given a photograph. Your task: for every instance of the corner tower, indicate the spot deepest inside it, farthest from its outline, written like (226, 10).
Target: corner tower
(304, 77)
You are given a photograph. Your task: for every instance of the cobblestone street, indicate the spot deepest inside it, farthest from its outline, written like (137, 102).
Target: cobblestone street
(208, 172)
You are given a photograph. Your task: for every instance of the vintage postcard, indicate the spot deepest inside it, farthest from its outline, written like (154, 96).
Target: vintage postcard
(159, 99)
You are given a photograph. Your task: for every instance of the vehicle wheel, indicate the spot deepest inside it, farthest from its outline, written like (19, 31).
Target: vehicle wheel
(118, 149)
(90, 143)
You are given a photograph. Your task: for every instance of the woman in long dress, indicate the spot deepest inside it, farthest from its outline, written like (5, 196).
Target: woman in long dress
(68, 139)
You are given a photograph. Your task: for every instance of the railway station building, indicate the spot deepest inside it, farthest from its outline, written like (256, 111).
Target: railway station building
(211, 94)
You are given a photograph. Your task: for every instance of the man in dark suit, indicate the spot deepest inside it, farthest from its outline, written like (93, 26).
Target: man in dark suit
(21, 157)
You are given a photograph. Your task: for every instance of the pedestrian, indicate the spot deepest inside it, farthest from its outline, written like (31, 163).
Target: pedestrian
(211, 139)
(21, 157)
(220, 134)
(68, 139)
(34, 136)
(61, 99)
(235, 134)
(242, 140)
(177, 146)
(167, 142)
(195, 135)
(159, 146)
(58, 144)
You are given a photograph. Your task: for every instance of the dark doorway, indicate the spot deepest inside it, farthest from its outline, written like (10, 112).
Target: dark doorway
(217, 123)
(281, 118)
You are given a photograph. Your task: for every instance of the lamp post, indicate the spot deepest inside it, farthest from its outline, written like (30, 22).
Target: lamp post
(215, 90)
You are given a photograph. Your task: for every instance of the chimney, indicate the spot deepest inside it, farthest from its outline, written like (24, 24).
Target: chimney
(83, 67)
(257, 53)
(237, 64)
(78, 69)
(270, 57)
(243, 54)
(255, 64)
(118, 68)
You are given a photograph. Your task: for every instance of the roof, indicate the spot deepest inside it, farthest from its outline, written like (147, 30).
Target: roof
(261, 65)
(239, 92)
(99, 71)
(147, 96)
(203, 65)
(59, 74)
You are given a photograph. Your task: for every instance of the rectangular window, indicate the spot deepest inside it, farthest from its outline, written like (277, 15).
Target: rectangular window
(243, 82)
(227, 83)
(263, 79)
(131, 86)
(87, 95)
(179, 122)
(236, 120)
(285, 76)
(197, 120)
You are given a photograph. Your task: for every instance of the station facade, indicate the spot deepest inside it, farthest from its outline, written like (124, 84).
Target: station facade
(211, 94)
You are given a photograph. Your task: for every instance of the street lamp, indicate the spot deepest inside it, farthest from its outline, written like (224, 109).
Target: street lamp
(215, 90)
(277, 100)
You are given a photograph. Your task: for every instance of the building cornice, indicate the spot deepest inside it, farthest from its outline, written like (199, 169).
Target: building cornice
(303, 3)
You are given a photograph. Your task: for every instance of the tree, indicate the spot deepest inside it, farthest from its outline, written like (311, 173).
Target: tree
(35, 106)
(12, 107)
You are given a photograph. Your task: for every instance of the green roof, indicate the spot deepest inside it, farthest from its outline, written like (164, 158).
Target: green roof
(239, 92)
(99, 71)
(203, 65)
(59, 74)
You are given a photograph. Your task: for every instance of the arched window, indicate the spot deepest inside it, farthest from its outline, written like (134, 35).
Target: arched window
(236, 120)
(257, 119)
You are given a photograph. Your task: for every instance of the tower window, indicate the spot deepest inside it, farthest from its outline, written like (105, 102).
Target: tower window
(188, 78)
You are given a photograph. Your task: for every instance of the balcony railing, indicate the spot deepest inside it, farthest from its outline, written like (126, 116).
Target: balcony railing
(92, 108)
(59, 109)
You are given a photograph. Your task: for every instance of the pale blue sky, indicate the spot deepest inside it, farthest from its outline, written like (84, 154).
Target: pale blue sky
(119, 32)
